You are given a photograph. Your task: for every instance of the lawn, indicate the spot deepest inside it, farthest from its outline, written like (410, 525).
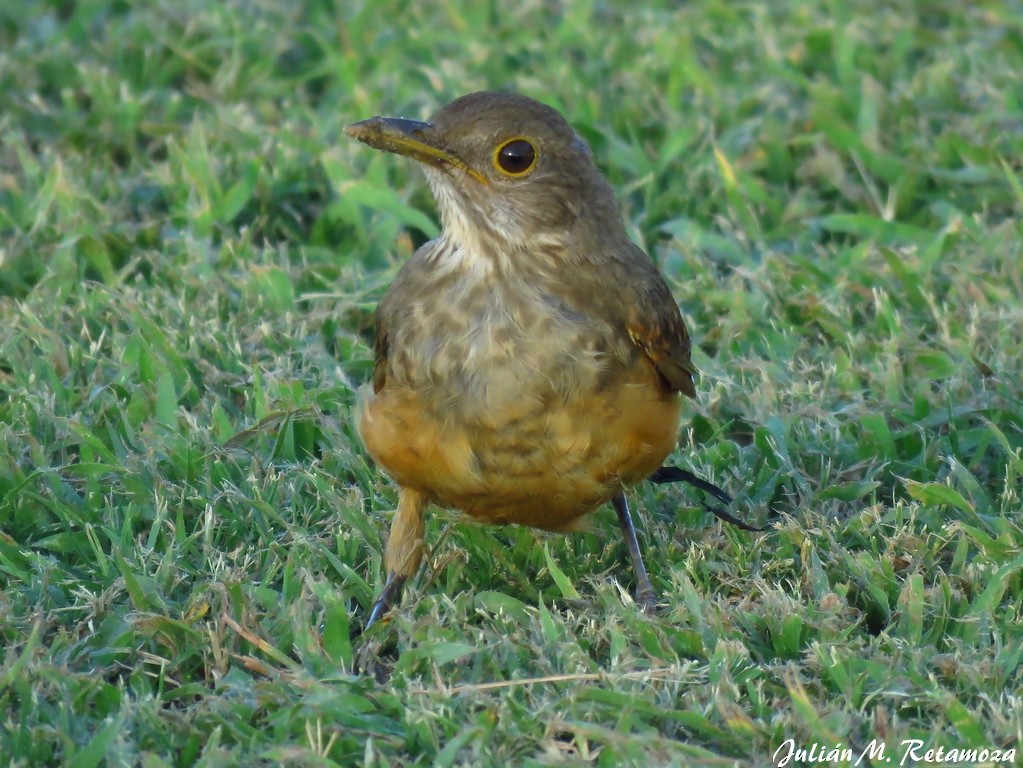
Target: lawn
(190, 254)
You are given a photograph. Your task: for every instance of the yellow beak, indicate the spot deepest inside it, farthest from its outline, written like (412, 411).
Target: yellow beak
(410, 138)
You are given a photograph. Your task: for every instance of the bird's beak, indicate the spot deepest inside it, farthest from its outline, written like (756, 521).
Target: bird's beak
(411, 138)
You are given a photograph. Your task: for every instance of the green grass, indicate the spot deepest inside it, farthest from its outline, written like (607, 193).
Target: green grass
(190, 252)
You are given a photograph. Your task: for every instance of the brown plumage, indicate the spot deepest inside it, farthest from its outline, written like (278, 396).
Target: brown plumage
(530, 360)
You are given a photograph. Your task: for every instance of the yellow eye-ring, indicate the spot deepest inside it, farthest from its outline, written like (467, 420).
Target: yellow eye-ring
(516, 157)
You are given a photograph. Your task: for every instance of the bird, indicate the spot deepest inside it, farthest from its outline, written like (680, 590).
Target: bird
(530, 362)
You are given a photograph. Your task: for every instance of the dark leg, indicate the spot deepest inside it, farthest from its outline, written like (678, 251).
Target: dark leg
(675, 475)
(645, 597)
(404, 550)
(388, 596)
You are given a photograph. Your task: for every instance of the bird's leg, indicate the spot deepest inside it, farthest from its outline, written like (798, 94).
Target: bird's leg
(674, 474)
(645, 596)
(404, 550)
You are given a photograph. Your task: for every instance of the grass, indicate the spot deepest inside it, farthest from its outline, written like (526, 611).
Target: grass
(190, 252)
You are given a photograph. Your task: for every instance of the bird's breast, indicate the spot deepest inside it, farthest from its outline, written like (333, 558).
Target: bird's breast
(505, 399)
(497, 350)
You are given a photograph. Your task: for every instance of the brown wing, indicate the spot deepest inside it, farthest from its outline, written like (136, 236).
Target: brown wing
(664, 339)
(381, 348)
(393, 303)
(666, 342)
(655, 324)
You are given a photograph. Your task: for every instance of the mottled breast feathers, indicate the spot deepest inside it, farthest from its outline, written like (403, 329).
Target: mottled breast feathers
(642, 306)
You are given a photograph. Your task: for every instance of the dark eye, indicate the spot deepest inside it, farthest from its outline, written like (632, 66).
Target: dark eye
(515, 157)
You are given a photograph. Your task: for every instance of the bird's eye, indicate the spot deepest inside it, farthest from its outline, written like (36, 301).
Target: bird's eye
(515, 157)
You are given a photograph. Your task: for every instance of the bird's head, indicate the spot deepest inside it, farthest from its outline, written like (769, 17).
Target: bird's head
(508, 173)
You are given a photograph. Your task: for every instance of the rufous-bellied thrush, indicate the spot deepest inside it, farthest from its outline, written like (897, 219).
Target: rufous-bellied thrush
(530, 361)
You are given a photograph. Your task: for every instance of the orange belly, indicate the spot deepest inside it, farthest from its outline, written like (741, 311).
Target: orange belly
(542, 468)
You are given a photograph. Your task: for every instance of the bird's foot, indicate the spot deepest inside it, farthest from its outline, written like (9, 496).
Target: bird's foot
(646, 599)
(389, 595)
(674, 475)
